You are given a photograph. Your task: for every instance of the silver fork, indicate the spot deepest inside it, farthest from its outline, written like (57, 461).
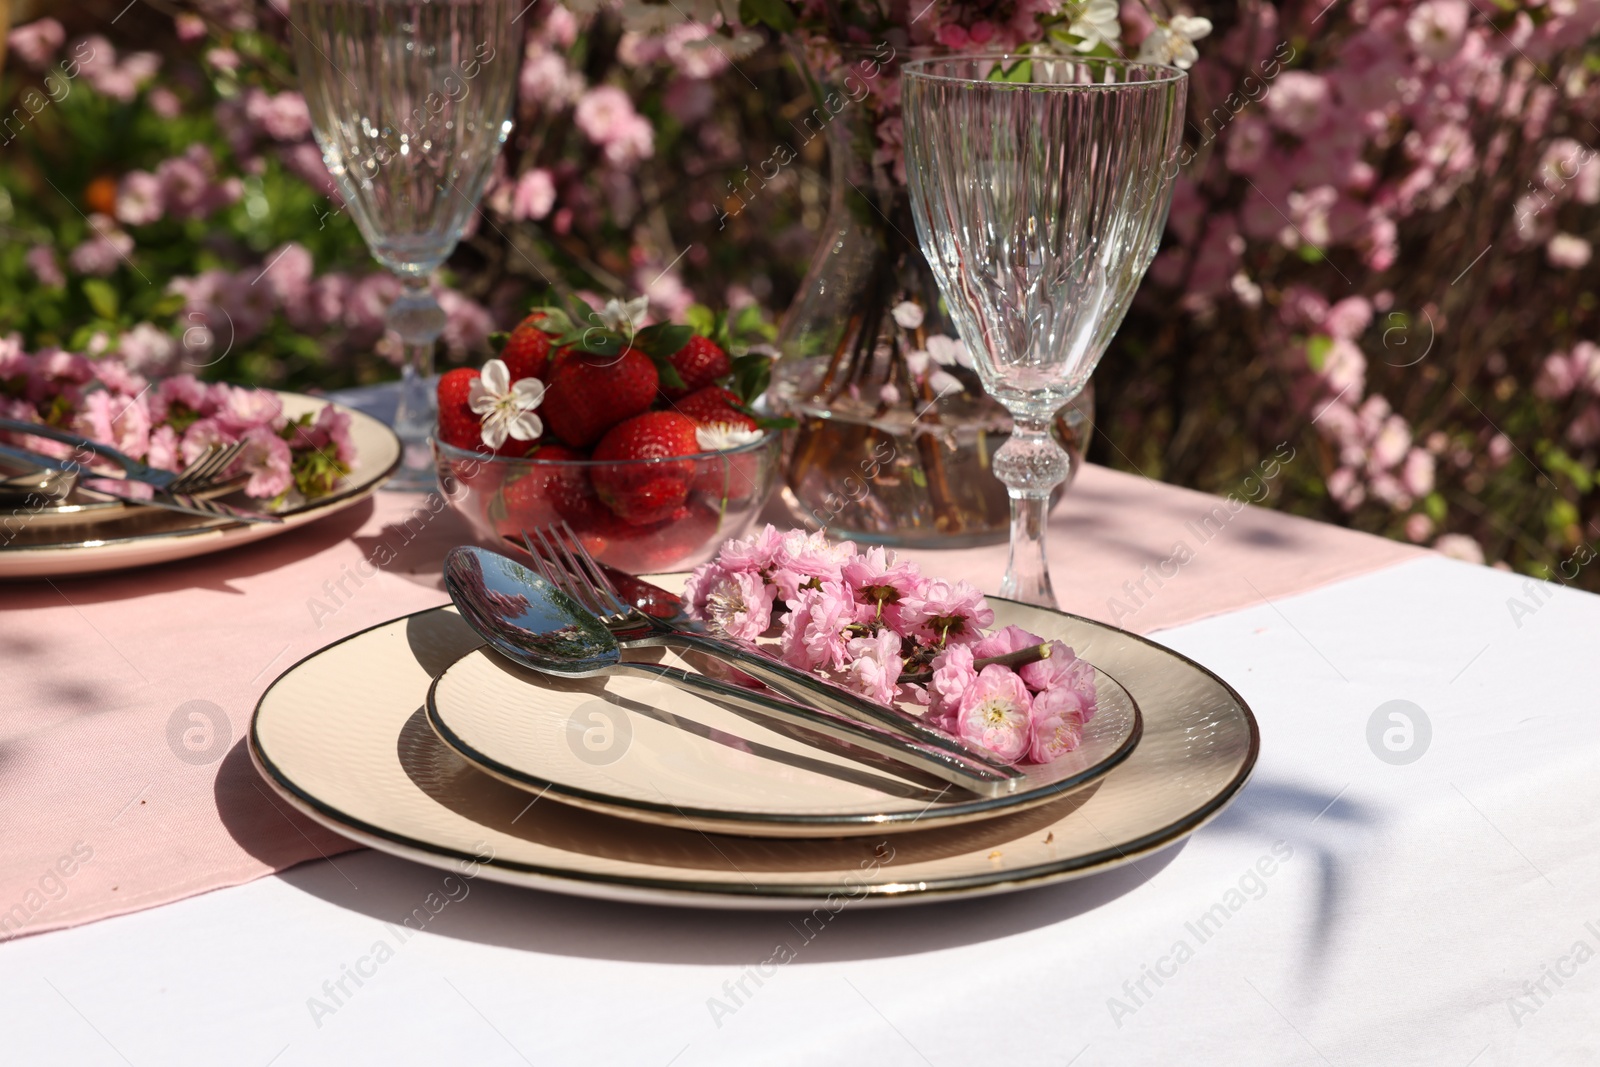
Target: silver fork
(199, 474)
(210, 468)
(576, 573)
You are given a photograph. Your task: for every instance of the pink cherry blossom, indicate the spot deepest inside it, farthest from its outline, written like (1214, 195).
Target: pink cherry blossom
(268, 461)
(1299, 101)
(140, 200)
(41, 259)
(948, 613)
(994, 712)
(1012, 638)
(755, 554)
(814, 630)
(1056, 723)
(699, 584)
(885, 583)
(739, 605)
(807, 561)
(36, 43)
(874, 666)
(534, 195)
(104, 250)
(953, 675)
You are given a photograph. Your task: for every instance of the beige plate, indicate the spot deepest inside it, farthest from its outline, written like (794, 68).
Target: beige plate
(640, 749)
(140, 536)
(343, 736)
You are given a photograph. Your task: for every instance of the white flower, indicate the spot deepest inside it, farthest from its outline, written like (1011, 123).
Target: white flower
(1174, 42)
(721, 436)
(1096, 22)
(621, 317)
(507, 409)
(909, 314)
(947, 351)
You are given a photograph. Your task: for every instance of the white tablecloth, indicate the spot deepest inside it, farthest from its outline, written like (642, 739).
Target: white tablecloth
(1441, 912)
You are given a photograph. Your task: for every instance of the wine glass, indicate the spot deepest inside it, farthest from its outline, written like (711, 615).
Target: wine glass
(1040, 187)
(411, 101)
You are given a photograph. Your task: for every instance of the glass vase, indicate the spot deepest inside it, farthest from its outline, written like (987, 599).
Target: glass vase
(894, 435)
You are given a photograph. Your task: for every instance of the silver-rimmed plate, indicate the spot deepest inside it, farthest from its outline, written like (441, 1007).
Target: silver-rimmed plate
(635, 748)
(123, 537)
(343, 736)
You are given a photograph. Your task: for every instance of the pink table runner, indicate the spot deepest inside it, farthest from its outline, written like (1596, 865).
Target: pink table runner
(125, 698)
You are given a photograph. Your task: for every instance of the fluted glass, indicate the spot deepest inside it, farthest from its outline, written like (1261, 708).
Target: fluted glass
(1040, 187)
(411, 101)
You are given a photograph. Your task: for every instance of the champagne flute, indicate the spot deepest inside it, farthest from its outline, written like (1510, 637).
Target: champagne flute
(411, 101)
(1040, 187)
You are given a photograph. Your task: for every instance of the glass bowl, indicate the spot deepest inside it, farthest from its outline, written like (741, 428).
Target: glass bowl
(678, 510)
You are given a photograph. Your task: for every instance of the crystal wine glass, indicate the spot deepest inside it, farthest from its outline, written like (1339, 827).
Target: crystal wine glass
(1040, 187)
(411, 101)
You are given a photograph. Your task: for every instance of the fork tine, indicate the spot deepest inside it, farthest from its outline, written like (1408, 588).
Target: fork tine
(211, 464)
(541, 564)
(565, 579)
(590, 595)
(200, 472)
(196, 471)
(597, 577)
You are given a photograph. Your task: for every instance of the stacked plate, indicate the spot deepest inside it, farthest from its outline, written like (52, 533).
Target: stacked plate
(414, 739)
(89, 532)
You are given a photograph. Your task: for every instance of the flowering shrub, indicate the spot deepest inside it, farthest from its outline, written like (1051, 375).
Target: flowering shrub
(864, 619)
(1380, 246)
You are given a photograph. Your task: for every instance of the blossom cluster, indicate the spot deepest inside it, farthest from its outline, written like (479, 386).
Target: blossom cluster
(866, 619)
(170, 423)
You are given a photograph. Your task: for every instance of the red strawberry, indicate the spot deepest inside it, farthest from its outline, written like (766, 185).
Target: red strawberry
(459, 425)
(589, 394)
(527, 350)
(707, 405)
(642, 493)
(699, 363)
(531, 500)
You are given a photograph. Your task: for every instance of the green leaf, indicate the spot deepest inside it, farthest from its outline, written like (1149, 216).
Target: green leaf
(774, 13)
(599, 342)
(1433, 504)
(662, 339)
(102, 296)
(497, 340)
(670, 378)
(1022, 72)
(1310, 253)
(752, 373)
(701, 319)
(1317, 349)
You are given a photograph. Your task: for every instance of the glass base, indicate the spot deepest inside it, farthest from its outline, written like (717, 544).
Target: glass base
(417, 472)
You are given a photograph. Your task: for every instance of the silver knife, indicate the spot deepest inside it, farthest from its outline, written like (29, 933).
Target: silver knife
(188, 503)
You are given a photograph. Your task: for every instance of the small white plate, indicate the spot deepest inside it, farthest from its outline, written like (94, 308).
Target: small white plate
(639, 749)
(135, 537)
(343, 737)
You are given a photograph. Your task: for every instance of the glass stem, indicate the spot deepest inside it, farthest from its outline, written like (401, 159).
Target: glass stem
(1027, 571)
(416, 316)
(1031, 464)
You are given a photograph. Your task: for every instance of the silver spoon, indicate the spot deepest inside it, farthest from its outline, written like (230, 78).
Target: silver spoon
(535, 625)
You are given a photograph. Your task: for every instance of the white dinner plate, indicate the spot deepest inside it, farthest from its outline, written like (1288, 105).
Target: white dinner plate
(643, 750)
(343, 736)
(124, 537)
